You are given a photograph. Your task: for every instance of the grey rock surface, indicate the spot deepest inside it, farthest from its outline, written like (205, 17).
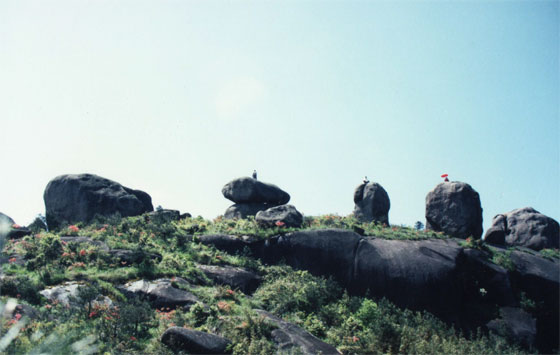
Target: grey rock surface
(78, 198)
(454, 208)
(292, 339)
(524, 227)
(234, 277)
(249, 190)
(372, 203)
(244, 210)
(161, 292)
(194, 342)
(286, 214)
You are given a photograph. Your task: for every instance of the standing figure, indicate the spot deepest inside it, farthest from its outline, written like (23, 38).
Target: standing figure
(255, 174)
(366, 180)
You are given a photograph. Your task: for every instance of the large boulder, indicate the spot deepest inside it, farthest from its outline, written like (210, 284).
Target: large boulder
(249, 190)
(194, 342)
(287, 215)
(524, 227)
(291, 339)
(372, 203)
(244, 210)
(419, 274)
(454, 208)
(161, 293)
(78, 198)
(234, 277)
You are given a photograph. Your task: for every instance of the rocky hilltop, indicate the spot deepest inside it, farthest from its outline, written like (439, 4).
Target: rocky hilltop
(274, 280)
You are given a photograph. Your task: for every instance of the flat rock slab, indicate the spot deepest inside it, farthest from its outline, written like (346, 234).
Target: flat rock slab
(194, 342)
(234, 277)
(289, 337)
(161, 293)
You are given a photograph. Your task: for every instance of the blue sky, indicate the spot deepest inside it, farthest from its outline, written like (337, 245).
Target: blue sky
(179, 97)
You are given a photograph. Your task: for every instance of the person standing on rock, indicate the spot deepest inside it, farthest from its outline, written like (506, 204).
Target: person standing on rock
(255, 174)
(366, 181)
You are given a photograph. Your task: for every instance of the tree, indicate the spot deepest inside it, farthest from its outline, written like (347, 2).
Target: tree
(419, 226)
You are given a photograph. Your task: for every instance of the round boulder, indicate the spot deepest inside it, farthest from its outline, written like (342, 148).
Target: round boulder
(524, 227)
(372, 203)
(454, 208)
(285, 215)
(78, 198)
(249, 190)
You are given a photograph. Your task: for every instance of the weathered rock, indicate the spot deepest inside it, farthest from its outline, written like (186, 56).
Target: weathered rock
(194, 342)
(67, 295)
(185, 215)
(234, 277)
(524, 227)
(133, 256)
(6, 220)
(327, 252)
(244, 210)
(372, 203)
(75, 198)
(85, 240)
(539, 279)
(161, 293)
(517, 324)
(413, 274)
(292, 339)
(454, 208)
(249, 190)
(164, 216)
(286, 214)
(479, 273)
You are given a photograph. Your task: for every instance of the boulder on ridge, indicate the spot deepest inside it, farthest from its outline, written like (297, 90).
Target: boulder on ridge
(454, 208)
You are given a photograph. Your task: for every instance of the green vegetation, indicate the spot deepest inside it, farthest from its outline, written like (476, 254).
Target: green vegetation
(319, 305)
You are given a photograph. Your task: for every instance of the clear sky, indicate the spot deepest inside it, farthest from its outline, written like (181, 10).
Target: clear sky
(177, 98)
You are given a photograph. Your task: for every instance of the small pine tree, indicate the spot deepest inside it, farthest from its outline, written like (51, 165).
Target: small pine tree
(419, 226)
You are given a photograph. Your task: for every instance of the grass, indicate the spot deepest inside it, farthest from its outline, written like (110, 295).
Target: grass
(319, 305)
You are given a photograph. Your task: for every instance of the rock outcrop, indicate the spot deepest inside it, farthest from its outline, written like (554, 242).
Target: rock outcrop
(287, 215)
(291, 339)
(194, 342)
(460, 285)
(251, 196)
(372, 203)
(78, 198)
(454, 208)
(161, 293)
(68, 294)
(234, 277)
(524, 227)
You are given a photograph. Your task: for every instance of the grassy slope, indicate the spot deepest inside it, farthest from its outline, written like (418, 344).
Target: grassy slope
(352, 324)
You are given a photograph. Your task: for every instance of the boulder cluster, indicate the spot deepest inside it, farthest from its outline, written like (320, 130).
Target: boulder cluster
(267, 202)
